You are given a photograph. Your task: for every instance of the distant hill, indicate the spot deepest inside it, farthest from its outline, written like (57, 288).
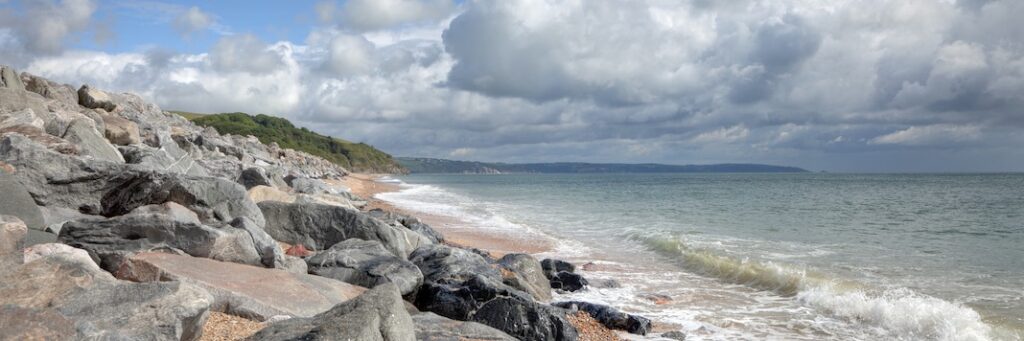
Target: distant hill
(357, 157)
(428, 165)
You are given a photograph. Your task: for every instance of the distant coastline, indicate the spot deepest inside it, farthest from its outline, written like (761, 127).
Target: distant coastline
(431, 165)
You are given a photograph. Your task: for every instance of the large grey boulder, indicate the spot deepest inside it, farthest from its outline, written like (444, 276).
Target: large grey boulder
(269, 250)
(62, 93)
(610, 317)
(377, 315)
(462, 285)
(12, 234)
(215, 200)
(21, 117)
(525, 273)
(433, 327)
(95, 99)
(409, 222)
(9, 78)
(120, 131)
(110, 241)
(319, 226)
(83, 133)
(254, 176)
(366, 263)
(16, 201)
(77, 300)
(307, 185)
(161, 160)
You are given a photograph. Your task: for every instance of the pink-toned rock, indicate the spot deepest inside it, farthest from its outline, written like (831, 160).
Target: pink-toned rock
(243, 290)
(12, 234)
(298, 251)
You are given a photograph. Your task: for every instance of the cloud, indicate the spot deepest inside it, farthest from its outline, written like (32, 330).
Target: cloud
(245, 53)
(192, 20)
(44, 27)
(939, 134)
(370, 15)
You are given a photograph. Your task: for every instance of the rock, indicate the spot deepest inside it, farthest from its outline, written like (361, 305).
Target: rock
(319, 226)
(59, 250)
(172, 210)
(295, 265)
(524, 272)
(409, 222)
(461, 285)
(568, 281)
(161, 160)
(365, 263)
(213, 199)
(610, 317)
(39, 136)
(21, 117)
(553, 266)
(110, 241)
(9, 78)
(17, 202)
(377, 314)
(121, 131)
(93, 98)
(606, 283)
(307, 185)
(298, 251)
(242, 290)
(77, 297)
(270, 252)
(433, 327)
(13, 99)
(62, 93)
(12, 234)
(82, 132)
(260, 194)
(324, 199)
(674, 335)
(254, 176)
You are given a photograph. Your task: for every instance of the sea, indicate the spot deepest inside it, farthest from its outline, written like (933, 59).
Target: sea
(794, 256)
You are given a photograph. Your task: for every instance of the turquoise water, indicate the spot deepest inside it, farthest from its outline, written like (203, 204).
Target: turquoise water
(782, 256)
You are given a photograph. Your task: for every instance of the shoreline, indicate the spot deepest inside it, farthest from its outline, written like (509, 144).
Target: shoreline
(456, 232)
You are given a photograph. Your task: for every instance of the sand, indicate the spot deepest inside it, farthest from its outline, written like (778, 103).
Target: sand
(224, 327)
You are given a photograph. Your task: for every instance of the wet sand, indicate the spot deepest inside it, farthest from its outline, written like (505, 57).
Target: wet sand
(455, 232)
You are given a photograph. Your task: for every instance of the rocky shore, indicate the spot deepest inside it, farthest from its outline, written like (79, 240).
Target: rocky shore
(122, 221)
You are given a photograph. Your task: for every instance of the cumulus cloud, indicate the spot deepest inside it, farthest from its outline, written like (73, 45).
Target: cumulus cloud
(43, 27)
(192, 20)
(832, 85)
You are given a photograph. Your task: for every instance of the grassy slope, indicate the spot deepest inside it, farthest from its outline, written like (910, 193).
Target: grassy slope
(359, 157)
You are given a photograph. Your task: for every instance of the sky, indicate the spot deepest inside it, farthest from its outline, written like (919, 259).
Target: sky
(838, 85)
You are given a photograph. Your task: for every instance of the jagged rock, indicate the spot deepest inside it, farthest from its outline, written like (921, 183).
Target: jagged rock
(270, 252)
(524, 272)
(110, 241)
(16, 201)
(39, 136)
(59, 250)
(79, 299)
(307, 185)
(554, 266)
(12, 234)
(21, 117)
(365, 263)
(242, 290)
(121, 131)
(568, 281)
(254, 176)
(433, 327)
(461, 285)
(13, 97)
(93, 98)
(62, 93)
(409, 222)
(9, 78)
(377, 314)
(319, 226)
(159, 159)
(82, 132)
(610, 317)
(215, 200)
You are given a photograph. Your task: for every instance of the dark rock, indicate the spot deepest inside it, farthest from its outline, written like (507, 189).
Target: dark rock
(93, 99)
(409, 222)
(365, 263)
(524, 272)
(377, 314)
(111, 241)
(254, 176)
(75, 296)
(526, 320)
(319, 226)
(18, 202)
(554, 266)
(610, 317)
(213, 199)
(568, 281)
(674, 335)
(433, 327)
(444, 264)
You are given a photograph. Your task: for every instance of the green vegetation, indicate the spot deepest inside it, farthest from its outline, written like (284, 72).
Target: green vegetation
(358, 157)
(188, 115)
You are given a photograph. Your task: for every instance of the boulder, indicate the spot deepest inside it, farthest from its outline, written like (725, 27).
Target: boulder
(433, 327)
(320, 226)
(270, 252)
(83, 133)
(610, 317)
(21, 117)
(554, 266)
(365, 263)
(523, 272)
(568, 281)
(9, 78)
(161, 160)
(120, 131)
(307, 185)
(12, 234)
(62, 93)
(36, 135)
(409, 222)
(13, 98)
(17, 202)
(674, 335)
(242, 290)
(254, 176)
(110, 241)
(94, 98)
(79, 301)
(58, 250)
(215, 200)
(461, 285)
(376, 315)
(325, 199)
